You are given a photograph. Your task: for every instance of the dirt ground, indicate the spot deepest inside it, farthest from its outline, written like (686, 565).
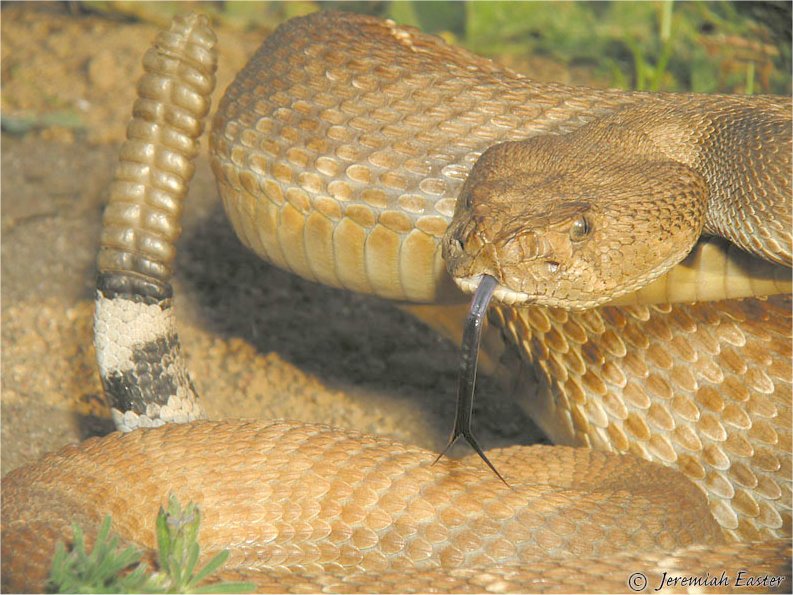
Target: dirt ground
(261, 343)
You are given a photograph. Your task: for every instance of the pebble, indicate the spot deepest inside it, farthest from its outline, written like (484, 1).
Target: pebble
(103, 71)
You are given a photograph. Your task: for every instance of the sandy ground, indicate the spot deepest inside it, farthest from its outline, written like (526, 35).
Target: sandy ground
(261, 343)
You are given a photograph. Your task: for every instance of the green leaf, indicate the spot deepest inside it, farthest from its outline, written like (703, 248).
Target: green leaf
(103, 570)
(216, 562)
(229, 587)
(163, 540)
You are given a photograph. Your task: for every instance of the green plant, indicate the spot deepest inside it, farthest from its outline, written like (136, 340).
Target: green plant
(177, 541)
(105, 569)
(99, 571)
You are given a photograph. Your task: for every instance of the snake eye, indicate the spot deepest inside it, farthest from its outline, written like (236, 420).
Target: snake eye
(580, 229)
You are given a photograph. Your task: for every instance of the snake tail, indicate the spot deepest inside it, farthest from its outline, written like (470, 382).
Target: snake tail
(138, 349)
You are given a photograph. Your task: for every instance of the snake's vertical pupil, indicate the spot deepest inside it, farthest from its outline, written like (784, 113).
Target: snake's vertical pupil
(580, 228)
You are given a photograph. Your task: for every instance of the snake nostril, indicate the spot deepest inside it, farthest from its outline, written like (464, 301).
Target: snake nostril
(552, 265)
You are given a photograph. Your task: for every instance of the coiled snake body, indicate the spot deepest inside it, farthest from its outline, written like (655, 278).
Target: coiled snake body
(339, 152)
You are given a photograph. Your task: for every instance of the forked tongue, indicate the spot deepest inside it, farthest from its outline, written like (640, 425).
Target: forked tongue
(472, 335)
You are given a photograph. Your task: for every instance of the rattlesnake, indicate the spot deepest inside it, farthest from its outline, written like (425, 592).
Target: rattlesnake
(339, 151)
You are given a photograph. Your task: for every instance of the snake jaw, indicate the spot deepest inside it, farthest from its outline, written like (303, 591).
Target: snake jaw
(526, 263)
(469, 260)
(503, 294)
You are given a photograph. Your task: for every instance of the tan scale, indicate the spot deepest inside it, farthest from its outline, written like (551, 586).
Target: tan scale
(689, 386)
(714, 270)
(322, 507)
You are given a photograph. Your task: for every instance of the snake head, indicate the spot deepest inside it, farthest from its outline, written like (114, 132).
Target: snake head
(559, 223)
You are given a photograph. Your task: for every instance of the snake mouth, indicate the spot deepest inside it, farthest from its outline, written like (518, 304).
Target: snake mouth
(501, 293)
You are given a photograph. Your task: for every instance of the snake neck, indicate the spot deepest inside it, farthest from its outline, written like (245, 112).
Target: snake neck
(741, 146)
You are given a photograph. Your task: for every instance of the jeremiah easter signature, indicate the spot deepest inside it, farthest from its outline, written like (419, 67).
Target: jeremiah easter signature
(741, 579)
